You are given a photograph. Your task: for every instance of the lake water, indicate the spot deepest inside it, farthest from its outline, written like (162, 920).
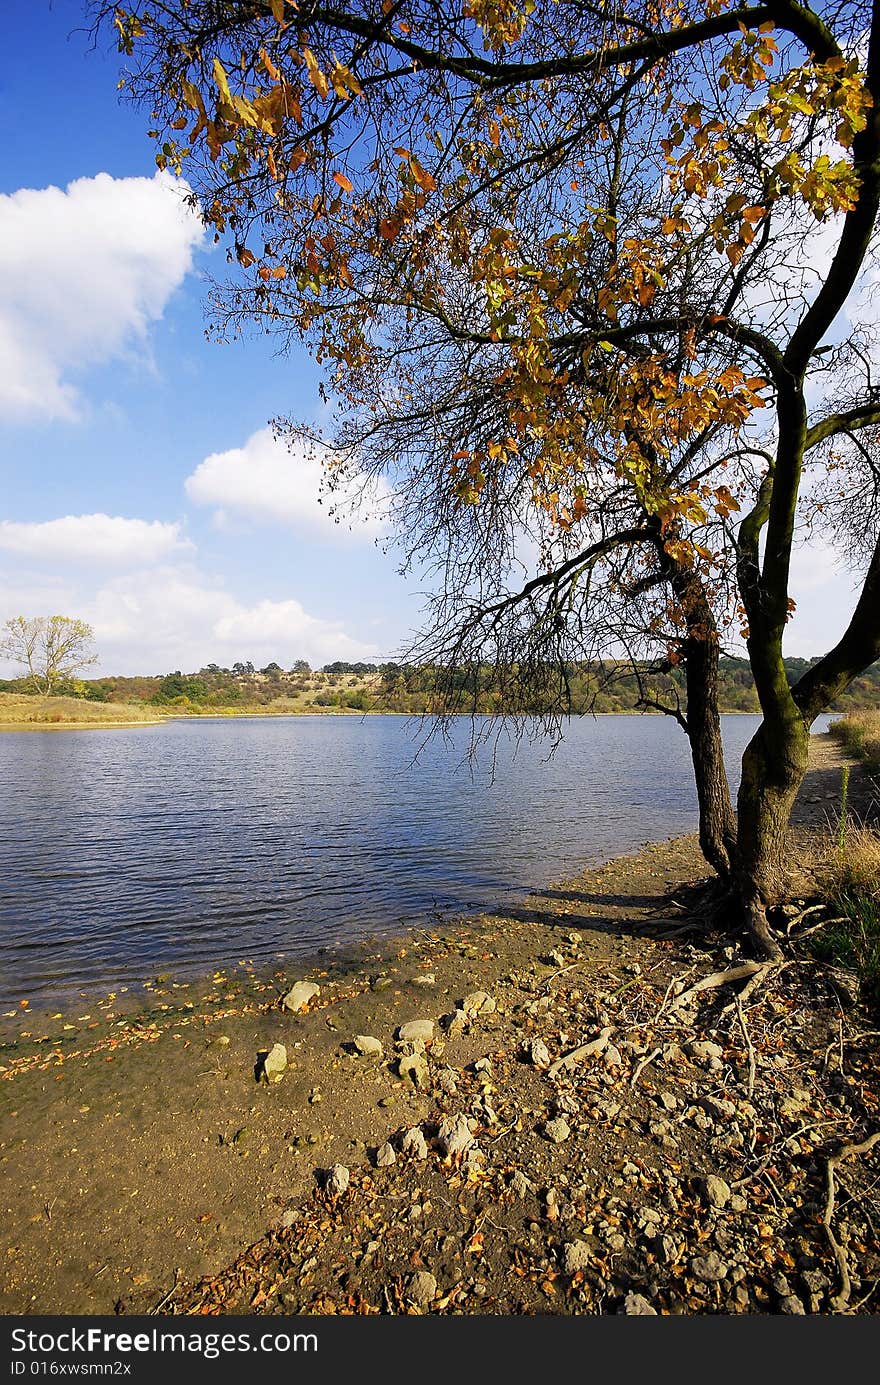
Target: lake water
(195, 843)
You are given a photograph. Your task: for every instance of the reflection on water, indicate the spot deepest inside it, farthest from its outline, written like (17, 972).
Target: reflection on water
(200, 842)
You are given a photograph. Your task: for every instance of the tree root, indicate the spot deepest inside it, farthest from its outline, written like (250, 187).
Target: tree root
(722, 978)
(759, 931)
(840, 1302)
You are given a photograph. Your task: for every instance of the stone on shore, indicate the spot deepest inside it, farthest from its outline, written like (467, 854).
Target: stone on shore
(421, 1289)
(336, 1180)
(416, 1031)
(455, 1135)
(299, 996)
(272, 1064)
(368, 1046)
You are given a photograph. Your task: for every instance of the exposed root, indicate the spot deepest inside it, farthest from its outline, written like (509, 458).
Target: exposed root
(722, 978)
(840, 1302)
(760, 933)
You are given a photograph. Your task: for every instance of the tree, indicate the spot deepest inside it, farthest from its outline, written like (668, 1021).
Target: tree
(51, 648)
(300, 666)
(559, 261)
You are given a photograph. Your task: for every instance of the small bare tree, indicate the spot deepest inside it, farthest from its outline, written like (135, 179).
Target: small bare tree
(49, 647)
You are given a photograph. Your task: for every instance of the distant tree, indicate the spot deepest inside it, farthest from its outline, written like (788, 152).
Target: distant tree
(51, 648)
(240, 668)
(272, 670)
(300, 666)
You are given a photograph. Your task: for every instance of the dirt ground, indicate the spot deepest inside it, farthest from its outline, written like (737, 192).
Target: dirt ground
(582, 1133)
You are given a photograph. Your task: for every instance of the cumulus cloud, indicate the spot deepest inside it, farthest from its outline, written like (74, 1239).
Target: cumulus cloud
(267, 482)
(85, 270)
(175, 616)
(181, 619)
(100, 539)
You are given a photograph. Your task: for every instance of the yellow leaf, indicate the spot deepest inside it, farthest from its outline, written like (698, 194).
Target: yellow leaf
(316, 76)
(421, 175)
(222, 81)
(345, 183)
(269, 65)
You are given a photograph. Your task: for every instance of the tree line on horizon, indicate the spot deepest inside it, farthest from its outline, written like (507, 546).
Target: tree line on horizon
(417, 689)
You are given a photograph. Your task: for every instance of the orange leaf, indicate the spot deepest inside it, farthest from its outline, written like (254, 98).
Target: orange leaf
(345, 183)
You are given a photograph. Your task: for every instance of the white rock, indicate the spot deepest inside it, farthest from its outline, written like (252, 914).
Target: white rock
(274, 1063)
(298, 996)
(385, 1156)
(704, 1049)
(455, 1134)
(368, 1046)
(416, 1031)
(337, 1180)
(414, 1143)
(538, 1053)
(415, 1067)
(716, 1191)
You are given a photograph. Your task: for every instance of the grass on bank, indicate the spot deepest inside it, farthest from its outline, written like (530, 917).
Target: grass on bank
(849, 876)
(16, 710)
(859, 734)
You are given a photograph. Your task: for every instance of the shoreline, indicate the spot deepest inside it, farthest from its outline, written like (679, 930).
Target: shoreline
(152, 1169)
(327, 712)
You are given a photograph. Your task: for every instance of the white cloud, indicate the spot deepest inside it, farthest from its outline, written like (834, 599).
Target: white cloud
(181, 619)
(99, 539)
(177, 617)
(84, 272)
(267, 482)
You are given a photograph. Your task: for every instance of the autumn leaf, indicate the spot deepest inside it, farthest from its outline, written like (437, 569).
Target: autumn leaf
(345, 183)
(222, 81)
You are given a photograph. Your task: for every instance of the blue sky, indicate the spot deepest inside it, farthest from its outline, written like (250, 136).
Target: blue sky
(140, 488)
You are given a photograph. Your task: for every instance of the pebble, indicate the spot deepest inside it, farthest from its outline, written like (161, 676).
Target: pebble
(272, 1065)
(414, 1143)
(456, 1024)
(385, 1156)
(576, 1255)
(557, 1130)
(455, 1135)
(538, 1053)
(416, 1031)
(709, 1268)
(368, 1046)
(636, 1305)
(703, 1048)
(716, 1191)
(478, 1003)
(415, 1067)
(298, 996)
(421, 1289)
(336, 1180)
(519, 1185)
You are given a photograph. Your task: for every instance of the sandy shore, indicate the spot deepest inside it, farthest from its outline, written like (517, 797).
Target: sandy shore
(677, 1163)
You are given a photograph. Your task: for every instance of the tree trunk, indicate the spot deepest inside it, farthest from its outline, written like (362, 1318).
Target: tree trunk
(717, 818)
(773, 768)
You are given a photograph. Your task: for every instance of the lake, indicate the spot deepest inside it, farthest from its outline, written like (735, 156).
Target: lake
(196, 843)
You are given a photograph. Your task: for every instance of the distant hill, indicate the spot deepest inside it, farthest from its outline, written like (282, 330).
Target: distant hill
(390, 687)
